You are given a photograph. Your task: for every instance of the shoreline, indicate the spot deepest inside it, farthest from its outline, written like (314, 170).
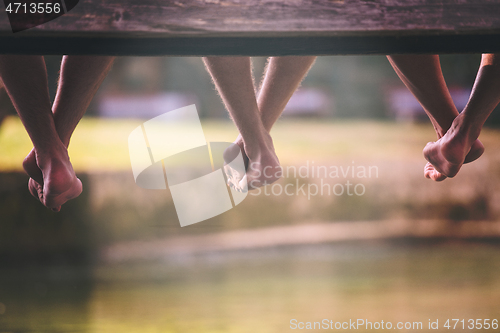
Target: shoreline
(303, 234)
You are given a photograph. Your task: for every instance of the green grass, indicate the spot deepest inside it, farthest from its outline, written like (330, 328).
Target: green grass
(97, 144)
(102, 144)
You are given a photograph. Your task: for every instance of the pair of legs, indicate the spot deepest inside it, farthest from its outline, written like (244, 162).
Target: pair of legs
(457, 133)
(52, 178)
(254, 115)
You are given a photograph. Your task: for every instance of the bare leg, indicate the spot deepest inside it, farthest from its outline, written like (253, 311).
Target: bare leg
(422, 75)
(233, 78)
(79, 81)
(25, 79)
(2, 112)
(282, 77)
(449, 153)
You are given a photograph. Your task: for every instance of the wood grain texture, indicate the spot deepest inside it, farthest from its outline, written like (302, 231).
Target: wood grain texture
(263, 27)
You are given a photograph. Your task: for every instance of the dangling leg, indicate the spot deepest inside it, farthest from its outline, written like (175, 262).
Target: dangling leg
(233, 78)
(449, 153)
(281, 79)
(80, 78)
(422, 75)
(25, 79)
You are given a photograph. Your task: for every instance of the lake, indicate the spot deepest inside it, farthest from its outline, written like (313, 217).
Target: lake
(260, 290)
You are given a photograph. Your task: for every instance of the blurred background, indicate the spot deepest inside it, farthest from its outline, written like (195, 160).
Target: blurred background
(116, 259)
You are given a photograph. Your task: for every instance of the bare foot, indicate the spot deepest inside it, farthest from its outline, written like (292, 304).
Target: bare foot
(448, 154)
(32, 169)
(235, 171)
(261, 164)
(53, 180)
(431, 173)
(232, 151)
(475, 152)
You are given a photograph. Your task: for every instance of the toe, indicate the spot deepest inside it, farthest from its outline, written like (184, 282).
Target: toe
(431, 173)
(243, 184)
(33, 188)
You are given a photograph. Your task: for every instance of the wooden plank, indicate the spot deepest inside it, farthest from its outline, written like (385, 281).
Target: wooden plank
(259, 46)
(263, 27)
(256, 17)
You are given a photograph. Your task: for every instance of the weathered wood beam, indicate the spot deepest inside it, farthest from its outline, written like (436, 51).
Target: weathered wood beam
(263, 27)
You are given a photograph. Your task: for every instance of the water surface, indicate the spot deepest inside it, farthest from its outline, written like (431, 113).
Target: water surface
(259, 291)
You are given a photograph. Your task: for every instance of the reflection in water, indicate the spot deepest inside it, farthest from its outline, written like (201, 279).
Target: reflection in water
(50, 282)
(261, 291)
(42, 299)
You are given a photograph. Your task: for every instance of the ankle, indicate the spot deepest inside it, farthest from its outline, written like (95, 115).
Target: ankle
(253, 151)
(440, 132)
(63, 134)
(65, 140)
(259, 147)
(52, 153)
